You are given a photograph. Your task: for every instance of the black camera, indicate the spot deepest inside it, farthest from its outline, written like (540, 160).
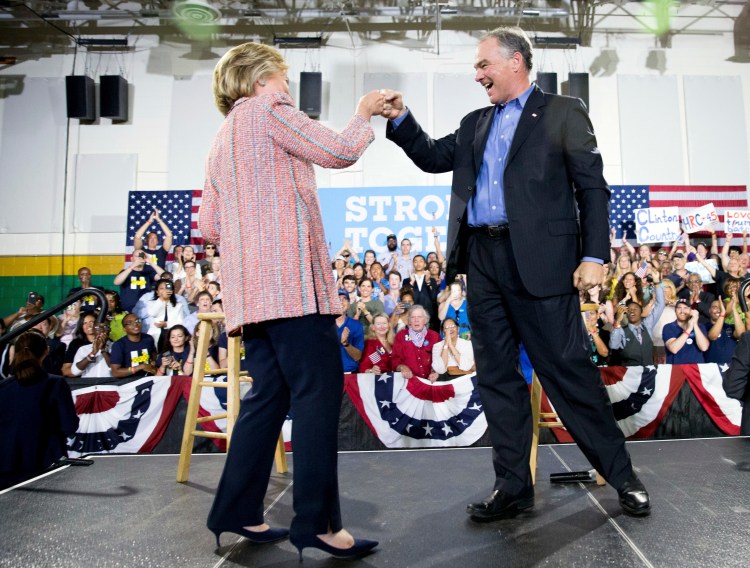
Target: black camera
(650, 279)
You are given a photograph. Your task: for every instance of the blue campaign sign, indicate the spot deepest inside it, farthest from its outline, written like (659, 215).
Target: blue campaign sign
(367, 215)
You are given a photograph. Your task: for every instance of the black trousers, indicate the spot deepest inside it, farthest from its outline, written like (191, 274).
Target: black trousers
(502, 314)
(295, 363)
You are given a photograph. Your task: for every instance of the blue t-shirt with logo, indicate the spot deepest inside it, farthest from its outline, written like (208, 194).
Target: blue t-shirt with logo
(136, 284)
(128, 353)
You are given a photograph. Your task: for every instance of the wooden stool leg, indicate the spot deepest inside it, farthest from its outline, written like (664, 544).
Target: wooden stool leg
(280, 457)
(536, 408)
(191, 418)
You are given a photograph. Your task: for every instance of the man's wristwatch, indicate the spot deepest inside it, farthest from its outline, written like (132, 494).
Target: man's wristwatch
(345, 343)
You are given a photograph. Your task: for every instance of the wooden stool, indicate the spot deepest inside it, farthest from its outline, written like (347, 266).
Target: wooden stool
(232, 384)
(541, 419)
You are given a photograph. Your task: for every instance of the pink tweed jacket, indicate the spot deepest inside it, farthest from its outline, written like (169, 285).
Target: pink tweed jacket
(260, 203)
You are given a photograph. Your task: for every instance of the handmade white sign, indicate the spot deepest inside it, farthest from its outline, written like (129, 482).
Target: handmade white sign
(657, 224)
(737, 221)
(701, 219)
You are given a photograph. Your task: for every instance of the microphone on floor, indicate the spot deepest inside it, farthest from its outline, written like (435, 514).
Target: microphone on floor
(573, 477)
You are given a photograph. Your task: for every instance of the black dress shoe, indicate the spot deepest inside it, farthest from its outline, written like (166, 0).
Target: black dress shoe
(634, 498)
(501, 505)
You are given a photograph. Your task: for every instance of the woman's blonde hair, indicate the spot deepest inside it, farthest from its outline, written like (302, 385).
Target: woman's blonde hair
(371, 334)
(241, 67)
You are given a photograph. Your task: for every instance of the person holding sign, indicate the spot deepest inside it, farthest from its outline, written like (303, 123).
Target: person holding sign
(528, 225)
(685, 339)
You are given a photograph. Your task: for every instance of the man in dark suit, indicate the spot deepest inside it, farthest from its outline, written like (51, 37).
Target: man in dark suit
(736, 383)
(529, 226)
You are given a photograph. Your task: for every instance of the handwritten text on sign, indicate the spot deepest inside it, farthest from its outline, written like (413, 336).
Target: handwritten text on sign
(657, 224)
(736, 221)
(701, 219)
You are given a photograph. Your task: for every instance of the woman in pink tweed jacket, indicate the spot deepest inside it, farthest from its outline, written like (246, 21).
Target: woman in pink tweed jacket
(260, 204)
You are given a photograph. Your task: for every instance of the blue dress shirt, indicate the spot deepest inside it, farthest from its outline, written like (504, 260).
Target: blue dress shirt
(487, 205)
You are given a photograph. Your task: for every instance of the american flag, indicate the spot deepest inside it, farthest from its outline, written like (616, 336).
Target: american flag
(415, 413)
(178, 210)
(375, 357)
(129, 418)
(642, 269)
(626, 198)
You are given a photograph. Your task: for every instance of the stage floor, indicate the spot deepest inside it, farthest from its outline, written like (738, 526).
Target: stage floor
(128, 511)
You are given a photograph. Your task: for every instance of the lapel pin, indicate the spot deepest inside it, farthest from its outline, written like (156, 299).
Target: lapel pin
(533, 114)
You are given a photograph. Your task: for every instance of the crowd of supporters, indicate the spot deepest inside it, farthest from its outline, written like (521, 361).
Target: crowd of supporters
(671, 304)
(676, 304)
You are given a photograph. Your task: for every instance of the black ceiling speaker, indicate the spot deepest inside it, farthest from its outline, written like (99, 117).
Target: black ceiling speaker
(547, 82)
(310, 93)
(579, 86)
(113, 97)
(79, 93)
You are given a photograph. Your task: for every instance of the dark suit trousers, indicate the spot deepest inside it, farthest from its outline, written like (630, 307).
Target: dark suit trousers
(293, 362)
(502, 314)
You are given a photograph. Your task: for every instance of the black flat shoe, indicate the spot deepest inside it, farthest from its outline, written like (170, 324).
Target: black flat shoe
(265, 537)
(501, 505)
(634, 498)
(360, 548)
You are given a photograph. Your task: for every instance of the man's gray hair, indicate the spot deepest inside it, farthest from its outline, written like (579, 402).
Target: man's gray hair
(418, 308)
(512, 39)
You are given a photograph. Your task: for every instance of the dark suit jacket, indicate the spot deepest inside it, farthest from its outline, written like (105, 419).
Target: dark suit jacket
(35, 418)
(736, 380)
(554, 170)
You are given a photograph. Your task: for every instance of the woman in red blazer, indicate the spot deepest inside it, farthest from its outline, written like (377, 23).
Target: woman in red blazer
(260, 205)
(376, 357)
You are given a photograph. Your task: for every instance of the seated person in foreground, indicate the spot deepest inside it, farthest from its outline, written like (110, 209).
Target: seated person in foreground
(736, 380)
(412, 348)
(92, 359)
(376, 357)
(178, 355)
(685, 339)
(453, 356)
(37, 414)
(133, 356)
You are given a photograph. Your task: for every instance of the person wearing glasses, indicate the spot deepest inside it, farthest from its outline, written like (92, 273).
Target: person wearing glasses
(453, 356)
(698, 298)
(348, 253)
(209, 252)
(133, 356)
